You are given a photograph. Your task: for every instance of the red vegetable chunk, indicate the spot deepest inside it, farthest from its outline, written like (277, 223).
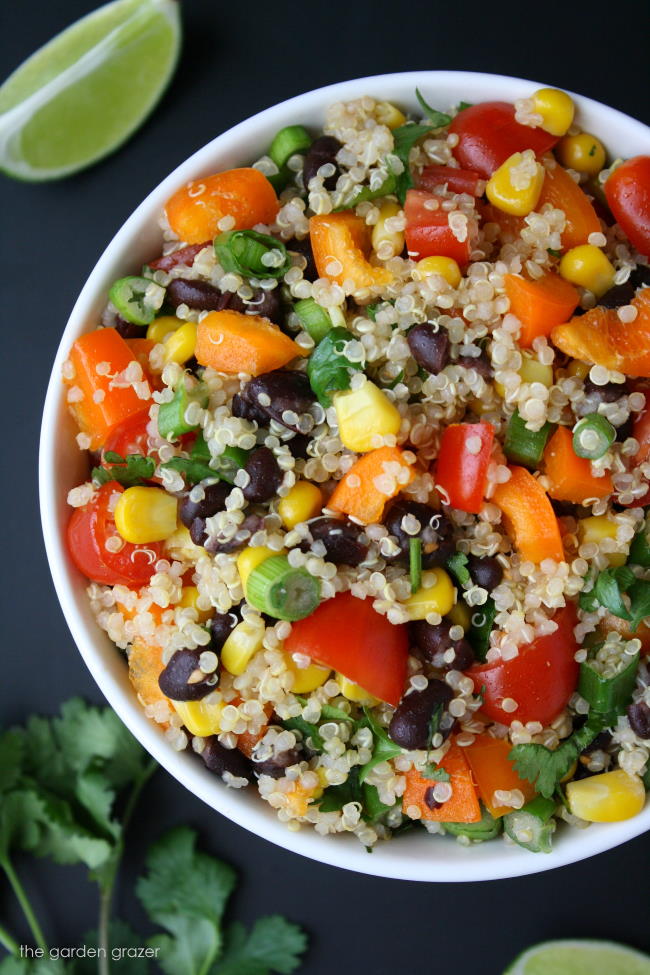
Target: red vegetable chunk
(488, 134)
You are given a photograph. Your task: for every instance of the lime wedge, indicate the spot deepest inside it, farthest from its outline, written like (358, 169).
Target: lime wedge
(580, 958)
(83, 93)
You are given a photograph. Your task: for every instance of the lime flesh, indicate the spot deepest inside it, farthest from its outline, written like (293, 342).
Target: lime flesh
(83, 93)
(580, 958)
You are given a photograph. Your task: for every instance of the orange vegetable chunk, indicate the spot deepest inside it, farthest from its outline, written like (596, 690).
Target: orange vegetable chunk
(570, 477)
(599, 336)
(96, 405)
(232, 342)
(564, 194)
(493, 771)
(529, 517)
(344, 239)
(540, 305)
(361, 495)
(462, 807)
(245, 194)
(145, 667)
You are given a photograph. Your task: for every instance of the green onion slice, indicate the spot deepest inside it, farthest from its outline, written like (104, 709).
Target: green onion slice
(287, 142)
(137, 299)
(609, 695)
(532, 826)
(593, 436)
(524, 446)
(415, 563)
(171, 416)
(314, 318)
(246, 252)
(276, 588)
(229, 462)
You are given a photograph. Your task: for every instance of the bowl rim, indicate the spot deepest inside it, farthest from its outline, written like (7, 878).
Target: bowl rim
(441, 862)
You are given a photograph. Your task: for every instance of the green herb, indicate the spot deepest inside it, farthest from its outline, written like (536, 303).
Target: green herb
(457, 565)
(365, 193)
(592, 151)
(307, 730)
(435, 772)
(463, 105)
(383, 748)
(543, 767)
(639, 595)
(434, 725)
(245, 252)
(609, 696)
(354, 789)
(129, 471)
(553, 252)
(328, 368)
(372, 311)
(482, 625)
(640, 548)
(438, 119)
(192, 470)
(405, 138)
(608, 590)
(330, 713)
(398, 378)
(415, 563)
(524, 446)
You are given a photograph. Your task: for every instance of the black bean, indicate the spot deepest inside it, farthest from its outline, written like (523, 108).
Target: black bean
(194, 294)
(340, 538)
(480, 363)
(429, 799)
(183, 680)
(608, 393)
(435, 532)
(601, 743)
(323, 150)
(248, 411)
(622, 294)
(432, 641)
(429, 346)
(248, 527)
(265, 475)
(128, 330)
(298, 445)
(220, 760)
(214, 500)
(638, 715)
(222, 625)
(198, 532)
(304, 247)
(266, 303)
(277, 766)
(410, 724)
(486, 572)
(564, 509)
(277, 394)
(624, 429)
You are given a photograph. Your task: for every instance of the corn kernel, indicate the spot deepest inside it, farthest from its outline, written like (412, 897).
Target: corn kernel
(583, 152)
(298, 798)
(199, 717)
(388, 114)
(161, 327)
(145, 514)
(460, 615)
(179, 546)
(241, 645)
(363, 415)
(306, 679)
(606, 798)
(446, 267)
(180, 345)
(436, 595)
(250, 558)
(588, 267)
(354, 692)
(516, 185)
(381, 236)
(534, 371)
(304, 501)
(578, 368)
(321, 772)
(556, 108)
(595, 529)
(189, 598)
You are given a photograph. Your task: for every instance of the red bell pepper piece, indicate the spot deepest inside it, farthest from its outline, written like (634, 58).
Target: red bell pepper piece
(428, 233)
(462, 465)
(488, 134)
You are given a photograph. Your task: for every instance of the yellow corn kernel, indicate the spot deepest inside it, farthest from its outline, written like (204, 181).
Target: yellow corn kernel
(180, 345)
(199, 717)
(460, 615)
(189, 599)
(386, 243)
(595, 529)
(583, 152)
(321, 772)
(578, 368)
(516, 185)
(306, 679)
(446, 267)
(606, 798)
(534, 371)
(363, 415)
(241, 645)
(304, 501)
(354, 692)
(556, 108)
(145, 514)
(298, 797)
(435, 595)
(250, 558)
(388, 114)
(180, 546)
(588, 267)
(161, 327)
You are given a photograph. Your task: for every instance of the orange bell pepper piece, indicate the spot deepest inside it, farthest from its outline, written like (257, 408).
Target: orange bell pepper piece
(101, 406)
(564, 194)
(529, 517)
(599, 336)
(343, 239)
(569, 476)
(145, 667)
(141, 349)
(232, 342)
(462, 807)
(245, 194)
(540, 305)
(359, 494)
(493, 771)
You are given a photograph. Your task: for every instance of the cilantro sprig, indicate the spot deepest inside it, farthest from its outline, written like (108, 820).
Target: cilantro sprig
(543, 767)
(328, 368)
(608, 589)
(128, 471)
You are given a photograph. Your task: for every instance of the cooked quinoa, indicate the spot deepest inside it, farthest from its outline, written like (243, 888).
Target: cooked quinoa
(254, 513)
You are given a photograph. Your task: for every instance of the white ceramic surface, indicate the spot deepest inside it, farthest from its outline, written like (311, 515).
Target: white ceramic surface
(414, 856)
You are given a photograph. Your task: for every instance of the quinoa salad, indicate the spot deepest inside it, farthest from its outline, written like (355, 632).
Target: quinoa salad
(369, 461)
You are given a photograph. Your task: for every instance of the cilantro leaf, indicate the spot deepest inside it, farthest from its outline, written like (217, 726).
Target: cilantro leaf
(639, 594)
(372, 805)
(129, 471)
(37, 966)
(435, 772)
(464, 105)
(554, 253)
(308, 731)
(365, 193)
(543, 767)
(405, 138)
(328, 368)
(438, 119)
(330, 713)
(337, 796)
(192, 470)
(11, 759)
(457, 564)
(384, 749)
(120, 936)
(273, 945)
(608, 591)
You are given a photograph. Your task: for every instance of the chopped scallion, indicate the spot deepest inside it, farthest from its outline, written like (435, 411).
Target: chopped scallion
(593, 436)
(284, 592)
(171, 416)
(251, 254)
(524, 446)
(137, 299)
(314, 318)
(287, 142)
(415, 563)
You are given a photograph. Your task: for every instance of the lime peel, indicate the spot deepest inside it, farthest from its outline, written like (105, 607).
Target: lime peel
(577, 957)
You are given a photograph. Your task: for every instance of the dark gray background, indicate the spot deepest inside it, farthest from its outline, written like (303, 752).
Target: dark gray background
(239, 58)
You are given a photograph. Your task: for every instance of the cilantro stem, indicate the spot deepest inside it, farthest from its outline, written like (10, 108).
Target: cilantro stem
(23, 900)
(8, 942)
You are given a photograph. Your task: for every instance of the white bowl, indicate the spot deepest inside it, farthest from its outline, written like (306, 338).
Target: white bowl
(412, 856)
